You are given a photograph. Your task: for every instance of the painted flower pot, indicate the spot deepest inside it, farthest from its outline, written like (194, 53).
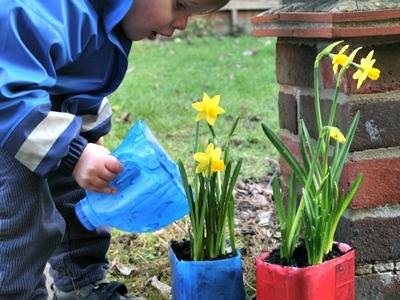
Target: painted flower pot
(209, 280)
(331, 280)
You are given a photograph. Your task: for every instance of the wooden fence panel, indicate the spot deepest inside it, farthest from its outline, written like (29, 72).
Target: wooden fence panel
(235, 6)
(247, 5)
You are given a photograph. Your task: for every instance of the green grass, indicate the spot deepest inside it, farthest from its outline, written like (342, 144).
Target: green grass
(165, 77)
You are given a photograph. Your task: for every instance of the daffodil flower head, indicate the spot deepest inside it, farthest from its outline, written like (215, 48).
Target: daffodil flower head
(366, 69)
(209, 161)
(208, 109)
(339, 59)
(336, 134)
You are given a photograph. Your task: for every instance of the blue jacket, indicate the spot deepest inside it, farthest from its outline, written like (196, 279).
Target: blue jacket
(59, 59)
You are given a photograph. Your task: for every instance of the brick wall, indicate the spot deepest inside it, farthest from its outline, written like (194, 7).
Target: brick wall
(372, 223)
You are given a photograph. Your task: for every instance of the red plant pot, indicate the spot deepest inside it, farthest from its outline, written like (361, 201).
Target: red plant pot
(331, 280)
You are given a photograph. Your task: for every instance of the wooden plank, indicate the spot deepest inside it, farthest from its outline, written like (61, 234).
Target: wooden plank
(234, 19)
(248, 5)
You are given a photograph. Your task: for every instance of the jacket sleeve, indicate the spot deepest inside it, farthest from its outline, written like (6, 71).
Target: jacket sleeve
(30, 131)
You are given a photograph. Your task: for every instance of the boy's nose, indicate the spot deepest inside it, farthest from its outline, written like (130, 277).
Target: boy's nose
(181, 23)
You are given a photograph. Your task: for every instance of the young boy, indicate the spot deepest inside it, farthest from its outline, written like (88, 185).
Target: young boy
(59, 59)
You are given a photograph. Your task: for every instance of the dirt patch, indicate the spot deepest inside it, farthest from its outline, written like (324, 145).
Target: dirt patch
(255, 213)
(256, 223)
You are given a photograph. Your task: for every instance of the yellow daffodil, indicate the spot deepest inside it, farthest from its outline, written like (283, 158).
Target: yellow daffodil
(209, 160)
(366, 69)
(339, 59)
(336, 134)
(208, 109)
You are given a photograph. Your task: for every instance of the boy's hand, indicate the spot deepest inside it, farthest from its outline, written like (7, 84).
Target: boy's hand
(95, 168)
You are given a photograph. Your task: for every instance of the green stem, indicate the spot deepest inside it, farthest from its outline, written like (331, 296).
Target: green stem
(196, 138)
(316, 95)
(335, 97)
(334, 104)
(231, 224)
(299, 212)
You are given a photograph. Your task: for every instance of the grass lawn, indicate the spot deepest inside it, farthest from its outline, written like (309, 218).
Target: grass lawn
(162, 81)
(165, 77)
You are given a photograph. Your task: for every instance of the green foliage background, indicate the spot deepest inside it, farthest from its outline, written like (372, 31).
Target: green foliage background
(164, 77)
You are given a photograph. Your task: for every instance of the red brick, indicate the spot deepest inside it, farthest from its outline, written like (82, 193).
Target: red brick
(327, 17)
(295, 60)
(294, 63)
(381, 176)
(326, 31)
(381, 181)
(327, 24)
(292, 142)
(287, 112)
(375, 238)
(378, 126)
(378, 286)
(307, 113)
(387, 60)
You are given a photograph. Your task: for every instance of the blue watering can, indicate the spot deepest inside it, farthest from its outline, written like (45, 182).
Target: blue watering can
(149, 189)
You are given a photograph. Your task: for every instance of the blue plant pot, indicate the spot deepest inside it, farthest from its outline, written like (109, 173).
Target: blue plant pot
(209, 280)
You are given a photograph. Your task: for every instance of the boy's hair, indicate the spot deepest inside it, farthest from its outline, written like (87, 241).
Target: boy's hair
(205, 6)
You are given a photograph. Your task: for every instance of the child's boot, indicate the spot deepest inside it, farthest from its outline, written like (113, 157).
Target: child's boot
(97, 291)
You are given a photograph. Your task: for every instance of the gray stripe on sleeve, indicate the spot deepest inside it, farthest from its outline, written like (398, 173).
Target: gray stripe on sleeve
(42, 138)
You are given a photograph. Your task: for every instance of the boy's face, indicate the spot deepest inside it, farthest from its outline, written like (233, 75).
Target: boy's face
(147, 18)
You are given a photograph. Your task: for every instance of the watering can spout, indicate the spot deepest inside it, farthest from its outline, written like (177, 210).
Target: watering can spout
(149, 194)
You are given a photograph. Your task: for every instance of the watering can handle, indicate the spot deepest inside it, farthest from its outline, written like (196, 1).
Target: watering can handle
(129, 174)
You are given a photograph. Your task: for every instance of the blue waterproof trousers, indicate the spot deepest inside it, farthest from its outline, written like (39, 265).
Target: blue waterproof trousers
(38, 224)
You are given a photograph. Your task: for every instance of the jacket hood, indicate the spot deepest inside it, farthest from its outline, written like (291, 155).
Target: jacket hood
(112, 11)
